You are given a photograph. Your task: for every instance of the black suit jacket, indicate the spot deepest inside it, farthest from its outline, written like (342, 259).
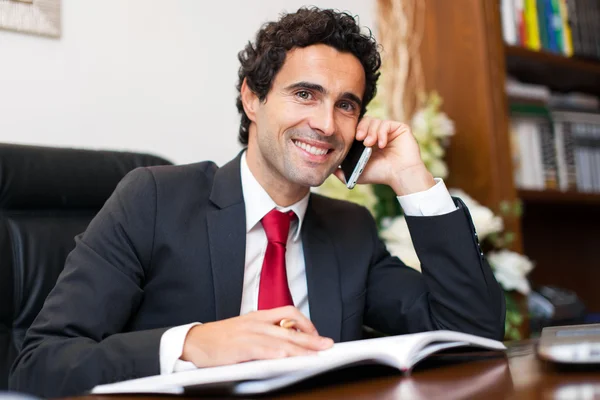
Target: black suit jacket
(168, 249)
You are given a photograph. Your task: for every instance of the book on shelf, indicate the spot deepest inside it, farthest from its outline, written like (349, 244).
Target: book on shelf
(526, 91)
(518, 91)
(510, 31)
(535, 164)
(582, 130)
(257, 377)
(567, 27)
(532, 26)
(554, 148)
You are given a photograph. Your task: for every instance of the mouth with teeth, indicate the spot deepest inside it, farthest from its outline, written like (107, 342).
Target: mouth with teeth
(315, 153)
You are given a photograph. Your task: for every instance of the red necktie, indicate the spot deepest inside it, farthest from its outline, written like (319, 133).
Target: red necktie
(274, 290)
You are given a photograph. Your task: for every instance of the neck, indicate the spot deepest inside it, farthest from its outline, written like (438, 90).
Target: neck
(283, 192)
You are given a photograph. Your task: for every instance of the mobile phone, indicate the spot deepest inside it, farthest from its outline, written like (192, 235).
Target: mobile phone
(355, 162)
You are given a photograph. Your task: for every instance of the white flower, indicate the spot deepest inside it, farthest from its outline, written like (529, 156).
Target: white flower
(442, 126)
(436, 149)
(432, 129)
(397, 239)
(426, 155)
(510, 269)
(396, 231)
(406, 253)
(484, 219)
(438, 168)
(420, 125)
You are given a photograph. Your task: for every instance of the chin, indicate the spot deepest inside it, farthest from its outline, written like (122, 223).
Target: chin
(309, 180)
(307, 175)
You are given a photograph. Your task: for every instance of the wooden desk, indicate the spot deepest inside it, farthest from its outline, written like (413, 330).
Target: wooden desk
(518, 376)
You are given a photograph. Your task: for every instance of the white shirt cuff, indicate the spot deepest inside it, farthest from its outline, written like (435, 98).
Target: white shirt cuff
(171, 348)
(428, 203)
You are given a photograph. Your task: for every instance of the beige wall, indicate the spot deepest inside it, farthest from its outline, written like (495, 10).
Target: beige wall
(144, 75)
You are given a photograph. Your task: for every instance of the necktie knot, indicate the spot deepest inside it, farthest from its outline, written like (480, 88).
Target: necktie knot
(277, 225)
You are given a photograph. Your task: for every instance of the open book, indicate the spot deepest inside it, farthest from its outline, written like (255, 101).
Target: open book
(401, 352)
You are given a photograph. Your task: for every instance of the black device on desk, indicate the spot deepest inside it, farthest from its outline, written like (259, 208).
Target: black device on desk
(553, 306)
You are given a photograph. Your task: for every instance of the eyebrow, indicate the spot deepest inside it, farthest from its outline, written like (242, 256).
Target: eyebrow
(318, 88)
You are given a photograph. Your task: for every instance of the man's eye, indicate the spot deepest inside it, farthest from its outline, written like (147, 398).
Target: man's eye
(347, 106)
(303, 94)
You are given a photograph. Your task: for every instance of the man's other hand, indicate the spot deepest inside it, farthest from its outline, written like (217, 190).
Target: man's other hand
(254, 336)
(396, 159)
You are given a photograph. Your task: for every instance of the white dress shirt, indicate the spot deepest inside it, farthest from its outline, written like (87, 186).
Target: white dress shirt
(435, 201)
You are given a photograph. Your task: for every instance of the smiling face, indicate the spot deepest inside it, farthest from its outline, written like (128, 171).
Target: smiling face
(302, 131)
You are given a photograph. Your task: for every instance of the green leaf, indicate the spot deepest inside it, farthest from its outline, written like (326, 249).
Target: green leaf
(509, 237)
(518, 208)
(387, 203)
(505, 207)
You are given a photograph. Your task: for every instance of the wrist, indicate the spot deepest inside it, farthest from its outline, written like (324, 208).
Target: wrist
(412, 180)
(191, 352)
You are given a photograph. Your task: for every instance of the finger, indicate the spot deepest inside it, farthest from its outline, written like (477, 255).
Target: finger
(264, 347)
(362, 128)
(275, 315)
(298, 338)
(303, 324)
(398, 128)
(371, 138)
(384, 132)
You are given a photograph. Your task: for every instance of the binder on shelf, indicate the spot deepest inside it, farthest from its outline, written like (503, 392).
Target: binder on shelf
(568, 27)
(532, 26)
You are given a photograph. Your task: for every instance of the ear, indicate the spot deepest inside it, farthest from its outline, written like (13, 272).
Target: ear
(250, 101)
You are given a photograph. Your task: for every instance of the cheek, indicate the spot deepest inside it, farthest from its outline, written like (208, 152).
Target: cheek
(347, 129)
(289, 118)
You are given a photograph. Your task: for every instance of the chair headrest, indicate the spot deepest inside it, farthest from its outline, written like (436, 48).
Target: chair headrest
(36, 176)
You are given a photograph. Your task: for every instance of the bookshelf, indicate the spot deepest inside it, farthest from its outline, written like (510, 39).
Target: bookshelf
(465, 59)
(558, 197)
(543, 68)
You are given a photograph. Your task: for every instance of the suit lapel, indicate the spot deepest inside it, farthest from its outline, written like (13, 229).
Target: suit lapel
(322, 276)
(227, 239)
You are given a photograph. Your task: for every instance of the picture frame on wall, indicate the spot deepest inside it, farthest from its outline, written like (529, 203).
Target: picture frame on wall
(38, 17)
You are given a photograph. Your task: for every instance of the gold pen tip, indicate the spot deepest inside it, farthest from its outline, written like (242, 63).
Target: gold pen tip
(287, 323)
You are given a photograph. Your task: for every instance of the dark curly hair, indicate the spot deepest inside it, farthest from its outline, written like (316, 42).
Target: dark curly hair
(261, 61)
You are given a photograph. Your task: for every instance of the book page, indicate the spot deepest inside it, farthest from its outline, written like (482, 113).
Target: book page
(394, 351)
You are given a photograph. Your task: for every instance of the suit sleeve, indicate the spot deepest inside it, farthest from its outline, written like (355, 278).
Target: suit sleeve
(456, 289)
(80, 339)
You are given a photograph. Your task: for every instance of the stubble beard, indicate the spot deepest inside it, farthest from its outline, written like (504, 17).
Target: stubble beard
(288, 169)
(297, 171)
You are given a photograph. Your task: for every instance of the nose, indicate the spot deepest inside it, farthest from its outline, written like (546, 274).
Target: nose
(323, 120)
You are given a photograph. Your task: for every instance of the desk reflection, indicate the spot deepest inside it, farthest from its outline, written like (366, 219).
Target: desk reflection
(488, 378)
(476, 380)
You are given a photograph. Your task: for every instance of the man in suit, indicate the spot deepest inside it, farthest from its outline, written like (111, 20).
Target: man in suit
(195, 265)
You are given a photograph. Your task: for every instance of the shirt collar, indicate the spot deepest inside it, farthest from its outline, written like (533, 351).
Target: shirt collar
(258, 202)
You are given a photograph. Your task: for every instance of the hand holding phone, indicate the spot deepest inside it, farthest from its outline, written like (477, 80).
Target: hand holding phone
(355, 162)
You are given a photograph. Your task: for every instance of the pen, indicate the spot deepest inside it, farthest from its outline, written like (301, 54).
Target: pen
(287, 323)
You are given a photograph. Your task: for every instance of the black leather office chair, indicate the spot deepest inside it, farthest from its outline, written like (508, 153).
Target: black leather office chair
(47, 196)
